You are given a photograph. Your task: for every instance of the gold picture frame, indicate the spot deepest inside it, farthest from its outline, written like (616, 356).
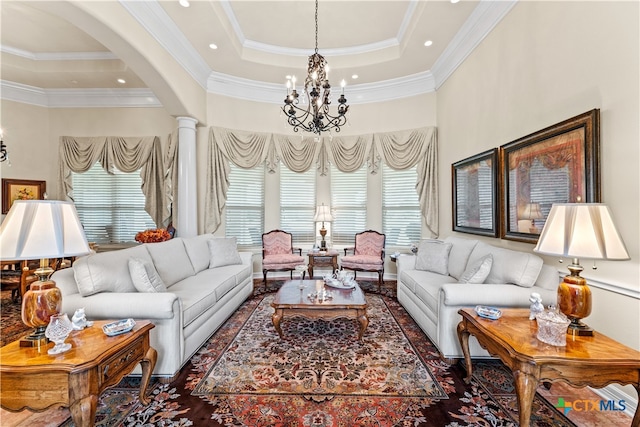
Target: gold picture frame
(21, 189)
(558, 164)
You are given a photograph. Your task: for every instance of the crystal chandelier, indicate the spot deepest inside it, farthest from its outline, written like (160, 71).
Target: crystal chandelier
(315, 116)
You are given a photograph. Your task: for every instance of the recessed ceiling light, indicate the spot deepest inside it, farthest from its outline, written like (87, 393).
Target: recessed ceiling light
(184, 3)
(355, 76)
(455, 1)
(213, 46)
(428, 43)
(122, 81)
(75, 82)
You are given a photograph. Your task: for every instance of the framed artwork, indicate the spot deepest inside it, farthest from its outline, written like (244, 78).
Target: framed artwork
(474, 190)
(559, 164)
(21, 189)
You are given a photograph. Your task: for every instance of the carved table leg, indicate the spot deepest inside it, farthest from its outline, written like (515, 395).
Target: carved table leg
(526, 383)
(463, 337)
(83, 411)
(363, 322)
(276, 317)
(147, 364)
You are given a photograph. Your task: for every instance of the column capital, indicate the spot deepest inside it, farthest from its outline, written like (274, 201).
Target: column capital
(187, 122)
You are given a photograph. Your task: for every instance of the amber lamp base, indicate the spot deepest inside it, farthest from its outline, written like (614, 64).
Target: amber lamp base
(574, 300)
(39, 303)
(323, 234)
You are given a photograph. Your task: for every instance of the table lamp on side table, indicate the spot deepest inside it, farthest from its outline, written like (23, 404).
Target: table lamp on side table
(579, 230)
(41, 229)
(323, 213)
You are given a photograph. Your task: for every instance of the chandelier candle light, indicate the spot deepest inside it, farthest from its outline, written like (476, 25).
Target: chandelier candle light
(316, 117)
(41, 229)
(579, 230)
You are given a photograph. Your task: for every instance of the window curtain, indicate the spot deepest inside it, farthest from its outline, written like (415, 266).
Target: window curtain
(171, 179)
(78, 154)
(400, 150)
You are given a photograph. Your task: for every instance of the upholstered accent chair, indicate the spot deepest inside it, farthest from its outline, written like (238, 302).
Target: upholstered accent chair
(278, 253)
(368, 254)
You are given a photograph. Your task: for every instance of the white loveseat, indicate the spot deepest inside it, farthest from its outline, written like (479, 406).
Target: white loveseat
(434, 298)
(205, 280)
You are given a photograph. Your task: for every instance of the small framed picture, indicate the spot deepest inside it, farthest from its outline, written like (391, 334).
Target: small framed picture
(474, 194)
(21, 189)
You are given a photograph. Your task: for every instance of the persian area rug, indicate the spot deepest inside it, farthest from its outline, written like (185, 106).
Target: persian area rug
(321, 359)
(193, 399)
(11, 326)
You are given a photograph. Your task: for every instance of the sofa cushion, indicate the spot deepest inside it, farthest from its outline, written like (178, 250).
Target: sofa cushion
(198, 294)
(478, 271)
(198, 251)
(433, 255)
(223, 251)
(107, 271)
(514, 267)
(144, 276)
(459, 255)
(411, 278)
(171, 260)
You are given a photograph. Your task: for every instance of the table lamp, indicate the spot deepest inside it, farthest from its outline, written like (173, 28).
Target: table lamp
(323, 213)
(579, 230)
(41, 229)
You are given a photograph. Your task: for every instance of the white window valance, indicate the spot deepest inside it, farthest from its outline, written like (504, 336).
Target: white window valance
(399, 150)
(78, 154)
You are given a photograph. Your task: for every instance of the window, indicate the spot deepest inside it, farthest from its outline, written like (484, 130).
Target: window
(348, 204)
(298, 204)
(110, 206)
(401, 218)
(244, 218)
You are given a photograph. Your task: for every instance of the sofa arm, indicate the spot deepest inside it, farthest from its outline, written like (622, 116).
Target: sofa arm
(404, 262)
(117, 305)
(246, 257)
(65, 281)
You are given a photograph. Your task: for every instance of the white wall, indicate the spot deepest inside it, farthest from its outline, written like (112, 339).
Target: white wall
(544, 63)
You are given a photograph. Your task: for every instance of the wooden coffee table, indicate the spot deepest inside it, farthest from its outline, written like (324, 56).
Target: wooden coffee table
(596, 361)
(31, 378)
(291, 301)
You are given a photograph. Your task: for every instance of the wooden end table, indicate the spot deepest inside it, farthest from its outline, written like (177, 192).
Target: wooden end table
(31, 378)
(292, 301)
(326, 259)
(596, 361)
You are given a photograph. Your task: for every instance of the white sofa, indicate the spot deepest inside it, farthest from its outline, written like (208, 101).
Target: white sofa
(433, 298)
(206, 279)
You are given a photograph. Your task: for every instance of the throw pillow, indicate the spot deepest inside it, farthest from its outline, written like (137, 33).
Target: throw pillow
(223, 251)
(433, 255)
(145, 277)
(478, 271)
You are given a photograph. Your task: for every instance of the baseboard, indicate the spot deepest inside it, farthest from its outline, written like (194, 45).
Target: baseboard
(616, 394)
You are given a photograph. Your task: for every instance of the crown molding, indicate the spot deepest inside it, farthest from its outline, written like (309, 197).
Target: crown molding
(160, 26)
(343, 51)
(482, 20)
(58, 56)
(77, 98)
(272, 93)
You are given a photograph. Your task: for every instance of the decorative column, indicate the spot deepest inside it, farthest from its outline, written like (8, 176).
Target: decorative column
(187, 186)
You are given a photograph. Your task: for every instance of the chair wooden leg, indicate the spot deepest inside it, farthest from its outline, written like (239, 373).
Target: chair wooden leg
(264, 280)
(380, 281)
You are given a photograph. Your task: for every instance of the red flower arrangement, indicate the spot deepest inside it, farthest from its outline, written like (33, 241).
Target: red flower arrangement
(153, 235)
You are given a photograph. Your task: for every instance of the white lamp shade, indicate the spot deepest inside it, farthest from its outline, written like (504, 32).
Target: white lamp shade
(36, 229)
(581, 230)
(323, 213)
